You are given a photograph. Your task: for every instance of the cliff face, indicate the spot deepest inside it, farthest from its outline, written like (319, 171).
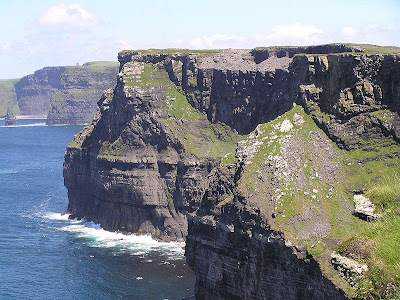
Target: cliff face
(146, 156)
(67, 95)
(350, 96)
(210, 146)
(34, 91)
(8, 98)
(290, 194)
(247, 240)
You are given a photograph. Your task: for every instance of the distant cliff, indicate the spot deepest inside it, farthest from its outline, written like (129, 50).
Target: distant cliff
(67, 95)
(8, 98)
(254, 158)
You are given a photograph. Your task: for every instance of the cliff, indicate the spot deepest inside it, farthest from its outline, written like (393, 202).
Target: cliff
(67, 95)
(8, 98)
(254, 157)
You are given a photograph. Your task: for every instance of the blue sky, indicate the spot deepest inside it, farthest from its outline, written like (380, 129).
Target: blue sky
(47, 33)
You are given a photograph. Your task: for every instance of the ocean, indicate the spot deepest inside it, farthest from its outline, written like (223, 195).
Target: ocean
(44, 255)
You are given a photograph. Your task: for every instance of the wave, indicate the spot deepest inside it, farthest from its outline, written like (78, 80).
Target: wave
(139, 245)
(25, 125)
(56, 216)
(8, 171)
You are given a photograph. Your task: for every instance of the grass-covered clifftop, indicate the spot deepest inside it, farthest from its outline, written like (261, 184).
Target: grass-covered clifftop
(305, 184)
(8, 98)
(66, 94)
(265, 150)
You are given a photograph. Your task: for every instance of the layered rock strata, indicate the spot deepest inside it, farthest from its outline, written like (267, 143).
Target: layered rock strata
(67, 95)
(210, 146)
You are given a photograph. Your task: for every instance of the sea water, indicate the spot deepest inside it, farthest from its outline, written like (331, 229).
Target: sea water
(44, 255)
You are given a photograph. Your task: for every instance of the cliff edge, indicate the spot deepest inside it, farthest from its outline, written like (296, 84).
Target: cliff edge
(254, 157)
(67, 95)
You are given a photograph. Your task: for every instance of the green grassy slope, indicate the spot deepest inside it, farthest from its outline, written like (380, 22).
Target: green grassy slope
(315, 210)
(8, 98)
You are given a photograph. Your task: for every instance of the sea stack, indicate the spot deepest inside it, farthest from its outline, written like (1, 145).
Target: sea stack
(10, 119)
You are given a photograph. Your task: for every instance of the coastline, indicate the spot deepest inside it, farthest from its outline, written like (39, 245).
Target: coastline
(30, 117)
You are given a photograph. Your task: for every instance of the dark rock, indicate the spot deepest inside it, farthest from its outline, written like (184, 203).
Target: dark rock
(153, 161)
(10, 119)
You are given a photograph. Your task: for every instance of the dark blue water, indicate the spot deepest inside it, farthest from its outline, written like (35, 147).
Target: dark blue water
(43, 255)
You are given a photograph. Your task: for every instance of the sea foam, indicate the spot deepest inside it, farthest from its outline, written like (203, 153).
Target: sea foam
(25, 125)
(93, 235)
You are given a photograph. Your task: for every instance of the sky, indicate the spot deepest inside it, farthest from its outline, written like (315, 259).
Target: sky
(43, 33)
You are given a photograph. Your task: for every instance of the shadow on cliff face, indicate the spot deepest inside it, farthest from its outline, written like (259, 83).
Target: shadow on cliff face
(148, 160)
(243, 100)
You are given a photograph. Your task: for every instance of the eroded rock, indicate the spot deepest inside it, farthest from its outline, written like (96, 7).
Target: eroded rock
(348, 268)
(364, 208)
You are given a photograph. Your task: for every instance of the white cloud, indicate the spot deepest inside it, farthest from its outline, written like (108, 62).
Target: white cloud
(217, 41)
(123, 45)
(63, 15)
(292, 34)
(289, 34)
(296, 30)
(349, 32)
(298, 34)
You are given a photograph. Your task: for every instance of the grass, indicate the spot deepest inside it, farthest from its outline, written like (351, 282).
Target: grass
(225, 201)
(375, 168)
(229, 159)
(101, 64)
(198, 136)
(179, 107)
(94, 68)
(8, 97)
(384, 116)
(151, 76)
(386, 196)
(76, 143)
(374, 49)
(168, 51)
(382, 281)
(370, 165)
(293, 201)
(192, 128)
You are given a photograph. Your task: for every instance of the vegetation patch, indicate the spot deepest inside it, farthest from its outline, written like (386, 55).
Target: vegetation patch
(229, 159)
(168, 51)
(151, 76)
(225, 201)
(317, 212)
(374, 49)
(198, 136)
(92, 68)
(8, 97)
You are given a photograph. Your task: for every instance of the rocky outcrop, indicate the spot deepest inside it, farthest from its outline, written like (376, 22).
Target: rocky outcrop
(67, 95)
(169, 146)
(10, 119)
(348, 268)
(210, 146)
(149, 153)
(239, 242)
(364, 208)
(349, 96)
